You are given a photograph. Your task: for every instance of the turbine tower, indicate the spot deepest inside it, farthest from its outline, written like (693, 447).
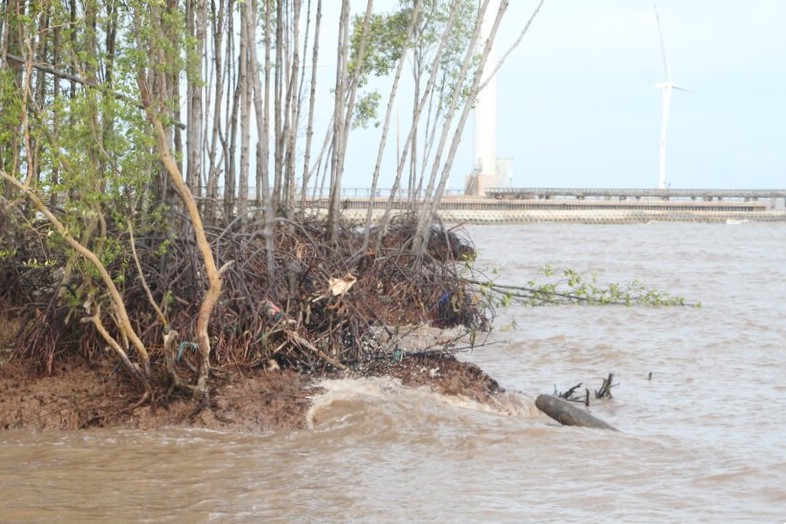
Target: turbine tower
(485, 162)
(668, 86)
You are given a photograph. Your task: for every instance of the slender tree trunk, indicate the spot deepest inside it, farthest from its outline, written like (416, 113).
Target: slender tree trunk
(216, 137)
(260, 107)
(40, 85)
(338, 116)
(292, 112)
(174, 133)
(431, 127)
(55, 175)
(429, 212)
(265, 135)
(11, 44)
(233, 108)
(196, 15)
(311, 107)
(386, 125)
(108, 106)
(416, 117)
(413, 152)
(278, 104)
(247, 41)
(343, 122)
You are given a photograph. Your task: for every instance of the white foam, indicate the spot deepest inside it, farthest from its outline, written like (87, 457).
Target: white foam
(373, 390)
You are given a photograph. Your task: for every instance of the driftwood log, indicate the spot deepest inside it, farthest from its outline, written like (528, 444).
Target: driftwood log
(567, 414)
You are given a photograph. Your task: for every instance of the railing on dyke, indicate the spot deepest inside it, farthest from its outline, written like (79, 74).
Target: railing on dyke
(704, 194)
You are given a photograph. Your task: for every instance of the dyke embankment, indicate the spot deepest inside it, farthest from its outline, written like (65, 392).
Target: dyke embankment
(621, 207)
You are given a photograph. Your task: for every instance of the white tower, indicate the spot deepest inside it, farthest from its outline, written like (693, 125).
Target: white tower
(484, 172)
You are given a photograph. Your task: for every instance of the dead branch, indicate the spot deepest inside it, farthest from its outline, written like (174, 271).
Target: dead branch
(605, 388)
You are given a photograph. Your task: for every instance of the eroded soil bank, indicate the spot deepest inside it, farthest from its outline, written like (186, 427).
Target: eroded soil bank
(82, 394)
(284, 322)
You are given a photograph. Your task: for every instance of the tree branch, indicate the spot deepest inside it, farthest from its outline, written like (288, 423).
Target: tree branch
(47, 68)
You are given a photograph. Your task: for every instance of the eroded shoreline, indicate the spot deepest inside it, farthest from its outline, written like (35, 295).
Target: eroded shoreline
(81, 394)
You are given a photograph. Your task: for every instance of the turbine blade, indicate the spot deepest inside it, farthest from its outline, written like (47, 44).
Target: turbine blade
(682, 89)
(662, 45)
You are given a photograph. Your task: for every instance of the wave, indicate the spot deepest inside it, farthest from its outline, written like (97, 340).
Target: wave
(372, 400)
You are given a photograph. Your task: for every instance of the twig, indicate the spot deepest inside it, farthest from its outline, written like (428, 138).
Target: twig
(605, 388)
(157, 309)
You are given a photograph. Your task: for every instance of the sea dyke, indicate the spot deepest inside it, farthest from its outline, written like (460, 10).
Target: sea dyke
(606, 206)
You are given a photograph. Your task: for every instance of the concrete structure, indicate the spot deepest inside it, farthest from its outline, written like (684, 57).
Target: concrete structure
(585, 205)
(485, 170)
(771, 198)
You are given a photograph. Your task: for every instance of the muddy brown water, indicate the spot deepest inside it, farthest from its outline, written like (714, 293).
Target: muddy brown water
(703, 439)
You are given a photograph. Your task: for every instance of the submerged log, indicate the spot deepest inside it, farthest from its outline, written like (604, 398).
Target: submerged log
(567, 414)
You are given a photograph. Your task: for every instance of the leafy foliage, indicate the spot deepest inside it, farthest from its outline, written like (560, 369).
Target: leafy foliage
(387, 42)
(567, 286)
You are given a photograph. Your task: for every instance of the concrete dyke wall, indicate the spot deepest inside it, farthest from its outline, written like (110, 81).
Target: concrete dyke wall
(608, 216)
(586, 216)
(716, 207)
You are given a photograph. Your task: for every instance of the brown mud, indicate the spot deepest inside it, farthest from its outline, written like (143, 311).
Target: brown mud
(82, 394)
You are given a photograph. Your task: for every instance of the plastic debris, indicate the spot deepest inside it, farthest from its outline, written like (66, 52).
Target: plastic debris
(272, 311)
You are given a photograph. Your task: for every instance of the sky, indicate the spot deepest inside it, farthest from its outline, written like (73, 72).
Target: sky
(578, 104)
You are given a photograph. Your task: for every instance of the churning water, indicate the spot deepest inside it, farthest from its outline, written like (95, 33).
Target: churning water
(703, 439)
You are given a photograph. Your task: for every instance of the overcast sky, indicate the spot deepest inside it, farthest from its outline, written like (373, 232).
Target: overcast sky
(578, 104)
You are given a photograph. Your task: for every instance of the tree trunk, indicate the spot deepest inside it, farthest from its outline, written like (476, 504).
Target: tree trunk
(216, 136)
(233, 108)
(247, 41)
(338, 117)
(431, 201)
(278, 104)
(343, 111)
(311, 106)
(416, 117)
(264, 151)
(260, 106)
(386, 125)
(213, 275)
(292, 114)
(413, 150)
(569, 415)
(196, 15)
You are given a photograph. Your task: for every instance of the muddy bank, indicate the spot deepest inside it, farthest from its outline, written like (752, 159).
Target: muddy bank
(85, 394)
(310, 307)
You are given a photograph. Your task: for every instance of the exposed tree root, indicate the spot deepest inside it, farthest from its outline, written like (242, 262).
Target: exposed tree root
(323, 311)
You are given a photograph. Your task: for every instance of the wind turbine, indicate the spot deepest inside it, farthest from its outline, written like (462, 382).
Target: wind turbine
(668, 86)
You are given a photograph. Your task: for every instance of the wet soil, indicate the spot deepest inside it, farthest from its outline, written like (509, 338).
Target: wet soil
(81, 394)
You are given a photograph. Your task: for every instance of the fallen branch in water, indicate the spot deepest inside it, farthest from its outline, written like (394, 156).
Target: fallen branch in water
(571, 395)
(569, 415)
(605, 388)
(567, 286)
